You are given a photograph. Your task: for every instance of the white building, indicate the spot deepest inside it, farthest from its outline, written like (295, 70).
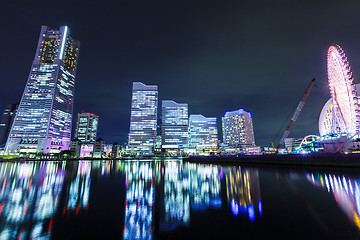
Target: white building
(203, 135)
(174, 125)
(143, 120)
(86, 127)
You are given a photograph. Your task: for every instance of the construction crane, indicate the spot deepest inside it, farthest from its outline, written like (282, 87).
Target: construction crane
(296, 114)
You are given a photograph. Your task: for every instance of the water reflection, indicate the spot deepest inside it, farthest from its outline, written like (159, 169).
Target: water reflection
(176, 197)
(79, 189)
(189, 188)
(139, 184)
(152, 198)
(30, 194)
(29, 198)
(205, 186)
(346, 192)
(243, 191)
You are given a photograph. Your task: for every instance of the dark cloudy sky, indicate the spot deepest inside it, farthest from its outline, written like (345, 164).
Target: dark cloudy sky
(217, 56)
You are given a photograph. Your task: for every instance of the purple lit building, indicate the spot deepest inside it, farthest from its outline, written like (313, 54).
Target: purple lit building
(44, 117)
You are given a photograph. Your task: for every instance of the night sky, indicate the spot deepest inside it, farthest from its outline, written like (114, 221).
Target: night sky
(217, 56)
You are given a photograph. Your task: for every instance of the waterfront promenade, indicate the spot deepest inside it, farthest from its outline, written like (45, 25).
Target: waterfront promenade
(292, 160)
(316, 160)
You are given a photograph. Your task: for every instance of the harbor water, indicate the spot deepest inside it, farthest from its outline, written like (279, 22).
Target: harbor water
(172, 199)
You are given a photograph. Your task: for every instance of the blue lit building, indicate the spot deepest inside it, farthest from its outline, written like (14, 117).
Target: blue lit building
(44, 117)
(202, 132)
(238, 129)
(174, 127)
(143, 121)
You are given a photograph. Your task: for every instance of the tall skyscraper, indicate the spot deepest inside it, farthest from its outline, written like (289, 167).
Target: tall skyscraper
(6, 122)
(238, 128)
(43, 120)
(143, 121)
(174, 127)
(202, 132)
(86, 127)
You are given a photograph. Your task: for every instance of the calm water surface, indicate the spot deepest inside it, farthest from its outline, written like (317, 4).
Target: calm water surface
(175, 200)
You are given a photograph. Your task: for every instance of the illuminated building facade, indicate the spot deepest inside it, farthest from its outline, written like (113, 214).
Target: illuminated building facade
(107, 150)
(238, 128)
(326, 119)
(202, 132)
(44, 117)
(174, 127)
(6, 122)
(86, 150)
(143, 121)
(86, 127)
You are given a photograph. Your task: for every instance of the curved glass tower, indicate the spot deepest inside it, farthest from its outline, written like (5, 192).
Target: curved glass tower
(43, 120)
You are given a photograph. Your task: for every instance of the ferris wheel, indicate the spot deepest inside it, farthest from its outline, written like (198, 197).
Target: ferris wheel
(343, 92)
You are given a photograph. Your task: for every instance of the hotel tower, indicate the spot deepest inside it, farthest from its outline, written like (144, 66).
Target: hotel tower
(238, 128)
(43, 120)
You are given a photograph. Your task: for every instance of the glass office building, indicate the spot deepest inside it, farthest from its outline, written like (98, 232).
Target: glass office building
(202, 132)
(238, 128)
(44, 117)
(174, 125)
(86, 127)
(143, 121)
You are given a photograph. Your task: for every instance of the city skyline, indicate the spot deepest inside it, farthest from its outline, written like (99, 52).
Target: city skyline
(215, 56)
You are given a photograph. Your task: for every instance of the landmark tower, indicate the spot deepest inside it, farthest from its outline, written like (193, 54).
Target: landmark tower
(44, 117)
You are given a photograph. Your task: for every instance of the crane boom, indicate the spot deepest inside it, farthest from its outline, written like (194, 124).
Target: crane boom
(296, 113)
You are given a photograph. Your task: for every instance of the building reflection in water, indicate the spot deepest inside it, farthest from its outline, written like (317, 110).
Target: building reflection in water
(194, 187)
(243, 191)
(30, 194)
(176, 196)
(78, 192)
(139, 184)
(346, 192)
(205, 186)
(29, 198)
